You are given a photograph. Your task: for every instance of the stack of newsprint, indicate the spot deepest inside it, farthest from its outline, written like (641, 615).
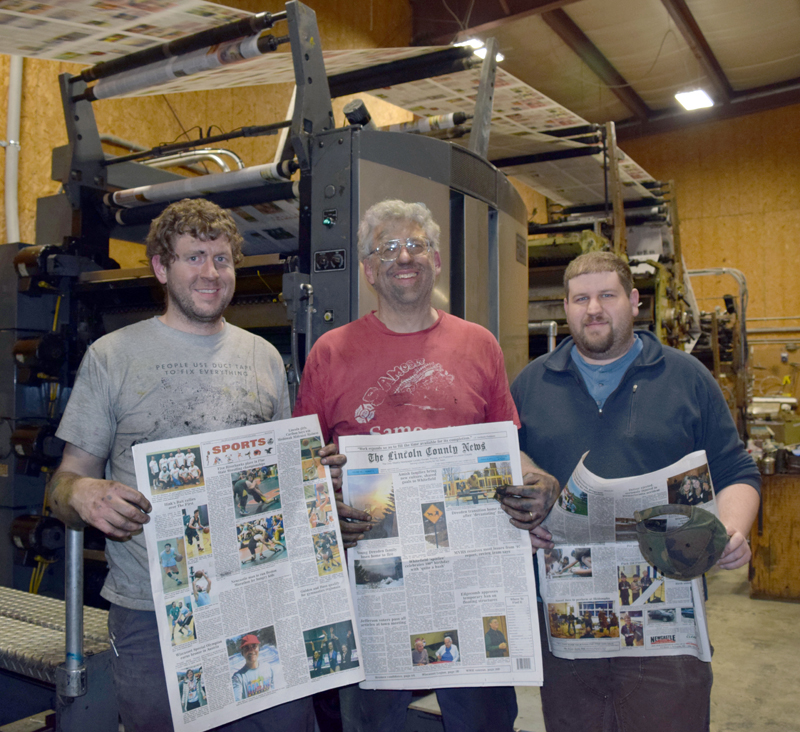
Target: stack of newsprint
(255, 607)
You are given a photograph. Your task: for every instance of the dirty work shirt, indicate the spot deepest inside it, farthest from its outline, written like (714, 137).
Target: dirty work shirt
(151, 382)
(363, 378)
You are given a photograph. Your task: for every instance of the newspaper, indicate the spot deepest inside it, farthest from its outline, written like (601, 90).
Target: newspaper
(246, 569)
(601, 598)
(443, 583)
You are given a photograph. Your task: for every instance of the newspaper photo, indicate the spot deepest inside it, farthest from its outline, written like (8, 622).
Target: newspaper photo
(443, 583)
(601, 598)
(247, 570)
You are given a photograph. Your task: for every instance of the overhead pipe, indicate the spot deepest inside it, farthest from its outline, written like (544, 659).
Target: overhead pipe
(184, 160)
(551, 327)
(256, 131)
(744, 296)
(12, 146)
(189, 159)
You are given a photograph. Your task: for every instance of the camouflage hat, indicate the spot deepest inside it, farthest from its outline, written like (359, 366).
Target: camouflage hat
(683, 552)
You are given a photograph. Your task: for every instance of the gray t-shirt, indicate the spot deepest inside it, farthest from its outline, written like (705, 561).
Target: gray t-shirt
(151, 382)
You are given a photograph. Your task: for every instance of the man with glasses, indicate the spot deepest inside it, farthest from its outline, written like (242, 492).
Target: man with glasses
(402, 368)
(128, 391)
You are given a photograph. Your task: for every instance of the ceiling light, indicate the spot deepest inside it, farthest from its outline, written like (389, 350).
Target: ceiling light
(481, 53)
(479, 48)
(475, 43)
(695, 99)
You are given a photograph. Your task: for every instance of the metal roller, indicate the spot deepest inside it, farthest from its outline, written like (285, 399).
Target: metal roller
(167, 70)
(200, 186)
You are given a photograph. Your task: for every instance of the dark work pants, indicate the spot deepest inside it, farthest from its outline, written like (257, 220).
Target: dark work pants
(142, 690)
(655, 694)
(468, 709)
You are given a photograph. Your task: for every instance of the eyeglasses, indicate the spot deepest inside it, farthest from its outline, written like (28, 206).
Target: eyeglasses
(388, 251)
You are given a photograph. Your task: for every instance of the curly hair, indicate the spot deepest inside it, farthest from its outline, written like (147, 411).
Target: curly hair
(196, 217)
(395, 210)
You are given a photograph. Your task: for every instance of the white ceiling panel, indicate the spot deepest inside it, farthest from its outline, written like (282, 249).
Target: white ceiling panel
(757, 42)
(642, 43)
(534, 53)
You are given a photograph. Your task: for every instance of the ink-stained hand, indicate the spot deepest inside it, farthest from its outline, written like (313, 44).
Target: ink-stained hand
(79, 496)
(540, 538)
(118, 510)
(331, 457)
(353, 523)
(528, 504)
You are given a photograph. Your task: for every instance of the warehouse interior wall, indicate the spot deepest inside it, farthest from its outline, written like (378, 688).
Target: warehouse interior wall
(738, 189)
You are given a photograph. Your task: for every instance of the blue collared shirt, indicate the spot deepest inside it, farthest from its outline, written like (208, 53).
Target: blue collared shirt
(602, 378)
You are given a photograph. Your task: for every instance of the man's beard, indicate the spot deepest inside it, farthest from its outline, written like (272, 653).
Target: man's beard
(613, 344)
(183, 302)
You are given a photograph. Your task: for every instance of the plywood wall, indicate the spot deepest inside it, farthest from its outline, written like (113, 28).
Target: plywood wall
(738, 186)
(153, 120)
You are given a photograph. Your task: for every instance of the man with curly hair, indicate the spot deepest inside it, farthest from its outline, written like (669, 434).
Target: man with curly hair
(185, 372)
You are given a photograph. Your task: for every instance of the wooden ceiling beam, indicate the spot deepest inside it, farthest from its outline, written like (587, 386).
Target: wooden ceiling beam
(578, 41)
(687, 25)
(752, 101)
(434, 26)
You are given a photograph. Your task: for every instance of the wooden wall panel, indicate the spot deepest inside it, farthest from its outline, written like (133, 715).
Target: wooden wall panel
(738, 188)
(774, 574)
(535, 202)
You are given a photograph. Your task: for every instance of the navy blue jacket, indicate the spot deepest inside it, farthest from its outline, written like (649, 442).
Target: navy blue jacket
(666, 406)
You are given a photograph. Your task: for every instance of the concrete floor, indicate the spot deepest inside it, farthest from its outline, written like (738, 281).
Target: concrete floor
(756, 663)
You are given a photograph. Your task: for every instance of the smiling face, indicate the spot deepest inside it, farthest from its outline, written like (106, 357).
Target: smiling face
(407, 282)
(600, 316)
(448, 642)
(494, 623)
(419, 645)
(200, 283)
(250, 655)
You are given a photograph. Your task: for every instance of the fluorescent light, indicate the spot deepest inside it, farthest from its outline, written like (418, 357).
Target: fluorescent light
(695, 99)
(475, 43)
(479, 48)
(481, 53)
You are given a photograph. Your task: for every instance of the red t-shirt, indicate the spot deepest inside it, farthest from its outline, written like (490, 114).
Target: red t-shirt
(363, 378)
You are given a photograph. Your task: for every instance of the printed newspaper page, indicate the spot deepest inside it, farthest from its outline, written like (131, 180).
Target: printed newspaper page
(443, 583)
(246, 567)
(601, 597)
